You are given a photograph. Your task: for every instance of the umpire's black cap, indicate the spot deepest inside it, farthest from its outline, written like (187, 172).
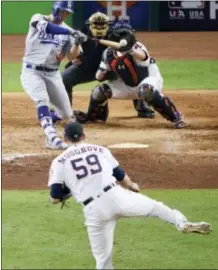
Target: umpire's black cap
(73, 131)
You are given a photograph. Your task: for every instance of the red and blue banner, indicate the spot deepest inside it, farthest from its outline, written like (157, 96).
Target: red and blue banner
(136, 11)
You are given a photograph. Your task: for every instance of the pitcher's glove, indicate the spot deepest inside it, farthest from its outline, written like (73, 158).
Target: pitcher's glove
(126, 34)
(66, 195)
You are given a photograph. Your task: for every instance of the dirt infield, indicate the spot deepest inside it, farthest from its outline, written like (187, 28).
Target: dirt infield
(185, 158)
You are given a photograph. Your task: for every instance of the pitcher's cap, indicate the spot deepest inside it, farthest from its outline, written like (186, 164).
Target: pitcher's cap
(73, 131)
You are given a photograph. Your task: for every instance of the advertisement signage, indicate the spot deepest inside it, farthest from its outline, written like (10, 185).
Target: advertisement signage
(136, 11)
(188, 15)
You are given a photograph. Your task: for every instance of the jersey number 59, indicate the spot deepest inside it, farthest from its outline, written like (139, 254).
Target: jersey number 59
(87, 165)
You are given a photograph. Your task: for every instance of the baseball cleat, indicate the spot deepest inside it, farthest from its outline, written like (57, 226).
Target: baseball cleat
(179, 122)
(56, 144)
(197, 227)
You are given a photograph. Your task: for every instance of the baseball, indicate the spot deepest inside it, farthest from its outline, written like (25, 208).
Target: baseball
(123, 42)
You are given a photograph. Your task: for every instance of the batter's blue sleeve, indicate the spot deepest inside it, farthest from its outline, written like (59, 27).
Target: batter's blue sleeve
(118, 173)
(56, 30)
(53, 29)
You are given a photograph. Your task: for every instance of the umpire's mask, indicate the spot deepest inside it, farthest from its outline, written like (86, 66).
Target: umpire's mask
(99, 25)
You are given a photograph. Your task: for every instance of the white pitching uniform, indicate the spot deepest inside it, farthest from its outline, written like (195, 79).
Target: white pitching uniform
(87, 170)
(136, 73)
(47, 51)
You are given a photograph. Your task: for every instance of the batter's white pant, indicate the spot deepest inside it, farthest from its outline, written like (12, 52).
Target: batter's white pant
(102, 213)
(122, 91)
(45, 88)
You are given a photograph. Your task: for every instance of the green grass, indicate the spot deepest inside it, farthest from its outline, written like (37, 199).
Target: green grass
(38, 235)
(177, 75)
(189, 74)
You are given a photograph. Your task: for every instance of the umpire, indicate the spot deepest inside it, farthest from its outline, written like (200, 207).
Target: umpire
(84, 68)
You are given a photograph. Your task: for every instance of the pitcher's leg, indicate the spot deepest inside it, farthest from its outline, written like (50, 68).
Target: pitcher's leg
(101, 241)
(35, 87)
(140, 205)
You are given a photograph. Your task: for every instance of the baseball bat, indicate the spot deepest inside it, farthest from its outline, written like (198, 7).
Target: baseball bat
(109, 43)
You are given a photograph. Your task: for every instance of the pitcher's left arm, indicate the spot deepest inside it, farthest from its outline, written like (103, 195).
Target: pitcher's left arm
(58, 190)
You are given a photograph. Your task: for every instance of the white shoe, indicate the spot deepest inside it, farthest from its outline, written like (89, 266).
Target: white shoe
(196, 227)
(56, 144)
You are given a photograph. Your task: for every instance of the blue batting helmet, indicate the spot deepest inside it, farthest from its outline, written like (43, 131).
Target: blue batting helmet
(61, 6)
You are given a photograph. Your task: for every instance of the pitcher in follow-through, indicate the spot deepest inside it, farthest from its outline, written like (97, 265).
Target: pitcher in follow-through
(95, 179)
(48, 41)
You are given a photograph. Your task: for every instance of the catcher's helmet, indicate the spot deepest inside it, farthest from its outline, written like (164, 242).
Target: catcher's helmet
(123, 30)
(99, 24)
(61, 6)
(122, 24)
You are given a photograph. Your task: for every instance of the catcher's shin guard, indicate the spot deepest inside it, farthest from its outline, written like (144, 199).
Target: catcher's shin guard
(98, 105)
(165, 106)
(144, 111)
(162, 104)
(95, 112)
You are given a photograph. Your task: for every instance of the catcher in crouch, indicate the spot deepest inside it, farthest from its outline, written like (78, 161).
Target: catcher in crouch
(88, 57)
(138, 77)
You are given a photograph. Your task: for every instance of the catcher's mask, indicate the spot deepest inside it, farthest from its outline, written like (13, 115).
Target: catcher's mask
(99, 24)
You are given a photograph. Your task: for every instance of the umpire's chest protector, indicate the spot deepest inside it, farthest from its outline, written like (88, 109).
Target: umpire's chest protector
(127, 68)
(92, 53)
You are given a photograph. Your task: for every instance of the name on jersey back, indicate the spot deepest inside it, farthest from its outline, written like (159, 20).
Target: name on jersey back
(79, 151)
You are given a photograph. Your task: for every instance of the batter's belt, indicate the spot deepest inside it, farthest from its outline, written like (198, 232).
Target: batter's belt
(40, 68)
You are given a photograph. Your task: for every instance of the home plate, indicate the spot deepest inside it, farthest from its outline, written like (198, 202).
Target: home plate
(128, 145)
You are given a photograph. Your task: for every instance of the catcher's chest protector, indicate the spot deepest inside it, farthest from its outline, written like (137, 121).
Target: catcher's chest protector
(126, 68)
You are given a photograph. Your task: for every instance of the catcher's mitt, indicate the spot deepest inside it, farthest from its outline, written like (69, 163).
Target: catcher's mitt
(126, 34)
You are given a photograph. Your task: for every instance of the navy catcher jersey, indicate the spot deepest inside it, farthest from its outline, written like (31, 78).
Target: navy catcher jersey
(130, 70)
